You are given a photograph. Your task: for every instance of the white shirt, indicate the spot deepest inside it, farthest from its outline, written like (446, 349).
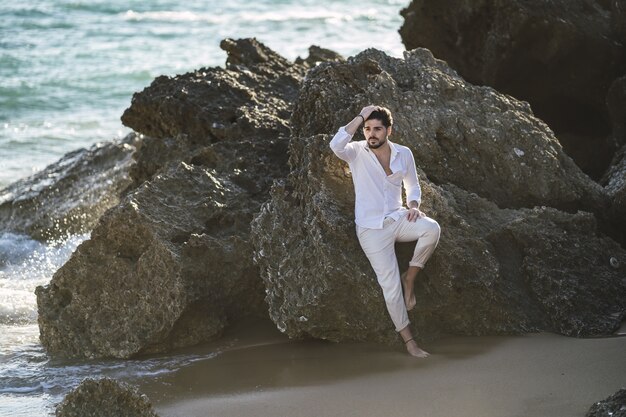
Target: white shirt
(378, 195)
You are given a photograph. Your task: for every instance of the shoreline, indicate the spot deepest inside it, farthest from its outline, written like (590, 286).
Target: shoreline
(262, 373)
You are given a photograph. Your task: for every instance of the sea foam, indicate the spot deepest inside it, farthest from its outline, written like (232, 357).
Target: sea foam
(24, 264)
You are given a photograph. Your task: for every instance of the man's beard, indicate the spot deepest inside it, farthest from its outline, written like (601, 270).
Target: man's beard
(381, 143)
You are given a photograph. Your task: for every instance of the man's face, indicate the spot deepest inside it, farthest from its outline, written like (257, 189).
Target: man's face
(375, 133)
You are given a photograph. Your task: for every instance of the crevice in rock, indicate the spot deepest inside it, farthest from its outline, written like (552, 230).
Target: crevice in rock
(181, 238)
(514, 284)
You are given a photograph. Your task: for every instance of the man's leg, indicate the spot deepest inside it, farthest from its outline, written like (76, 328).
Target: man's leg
(378, 245)
(426, 231)
(408, 286)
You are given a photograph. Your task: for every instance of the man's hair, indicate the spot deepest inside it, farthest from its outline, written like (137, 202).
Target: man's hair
(383, 114)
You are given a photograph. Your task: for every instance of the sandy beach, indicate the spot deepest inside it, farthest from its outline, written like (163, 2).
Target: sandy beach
(262, 373)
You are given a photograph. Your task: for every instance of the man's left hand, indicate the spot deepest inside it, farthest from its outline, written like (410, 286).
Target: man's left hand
(415, 214)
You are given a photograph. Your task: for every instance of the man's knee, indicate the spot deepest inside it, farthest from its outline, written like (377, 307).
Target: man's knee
(434, 230)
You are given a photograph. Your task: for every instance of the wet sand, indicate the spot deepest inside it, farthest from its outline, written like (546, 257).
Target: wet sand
(261, 373)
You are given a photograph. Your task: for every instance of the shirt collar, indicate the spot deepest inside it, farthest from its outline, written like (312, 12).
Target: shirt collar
(394, 150)
(392, 146)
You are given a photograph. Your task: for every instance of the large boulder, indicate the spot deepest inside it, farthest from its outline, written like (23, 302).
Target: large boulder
(559, 55)
(495, 271)
(104, 398)
(168, 260)
(471, 136)
(251, 99)
(69, 196)
(258, 84)
(171, 265)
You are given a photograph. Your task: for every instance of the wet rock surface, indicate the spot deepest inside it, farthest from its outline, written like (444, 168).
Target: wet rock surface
(171, 265)
(613, 406)
(69, 196)
(104, 398)
(561, 56)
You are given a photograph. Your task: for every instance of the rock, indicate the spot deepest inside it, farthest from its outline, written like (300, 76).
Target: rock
(69, 196)
(473, 137)
(618, 19)
(302, 270)
(154, 153)
(496, 271)
(570, 267)
(559, 55)
(123, 289)
(171, 265)
(258, 84)
(616, 104)
(318, 55)
(171, 259)
(615, 179)
(104, 398)
(614, 182)
(251, 98)
(613, 406)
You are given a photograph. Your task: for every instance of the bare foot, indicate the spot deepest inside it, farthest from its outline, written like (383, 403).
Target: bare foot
(409, 294)
(415, 351)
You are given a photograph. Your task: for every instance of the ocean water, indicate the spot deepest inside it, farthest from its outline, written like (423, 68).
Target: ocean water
(68, 70)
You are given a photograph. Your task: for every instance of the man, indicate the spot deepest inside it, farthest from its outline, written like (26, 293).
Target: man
(379, 168)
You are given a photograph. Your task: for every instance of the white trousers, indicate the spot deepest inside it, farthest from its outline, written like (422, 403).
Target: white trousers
(378, 245)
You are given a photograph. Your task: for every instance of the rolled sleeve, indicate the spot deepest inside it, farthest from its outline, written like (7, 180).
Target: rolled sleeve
(341, 146)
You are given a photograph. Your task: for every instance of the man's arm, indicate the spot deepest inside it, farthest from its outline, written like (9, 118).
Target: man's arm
(413, 204)
(413, 189)
(339, 143)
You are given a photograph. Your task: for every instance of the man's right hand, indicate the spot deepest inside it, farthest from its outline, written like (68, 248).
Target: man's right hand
(365, 112)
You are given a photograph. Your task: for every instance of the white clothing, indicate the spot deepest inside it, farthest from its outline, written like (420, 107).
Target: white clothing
(378, 195)
(381, 218)
(378, 245)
